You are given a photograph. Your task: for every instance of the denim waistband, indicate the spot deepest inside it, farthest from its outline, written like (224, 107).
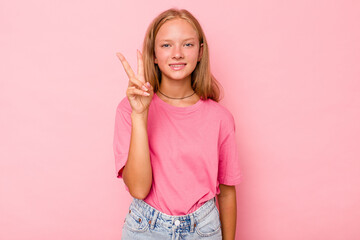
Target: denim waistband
(179, 221)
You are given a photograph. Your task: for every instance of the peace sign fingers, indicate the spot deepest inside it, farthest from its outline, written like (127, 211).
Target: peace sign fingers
(134, 80)
(138, 92)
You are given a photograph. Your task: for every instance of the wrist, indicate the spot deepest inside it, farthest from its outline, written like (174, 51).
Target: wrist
(139, 116)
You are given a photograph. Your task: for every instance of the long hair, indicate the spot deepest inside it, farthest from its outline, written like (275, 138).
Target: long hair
(202, 81)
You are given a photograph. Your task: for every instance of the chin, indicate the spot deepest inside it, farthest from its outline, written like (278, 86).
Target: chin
(177, 78)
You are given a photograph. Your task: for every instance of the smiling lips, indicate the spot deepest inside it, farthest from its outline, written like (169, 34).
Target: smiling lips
(177, 66)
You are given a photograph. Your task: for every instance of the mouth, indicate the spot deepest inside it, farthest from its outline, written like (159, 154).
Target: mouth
(177, 66)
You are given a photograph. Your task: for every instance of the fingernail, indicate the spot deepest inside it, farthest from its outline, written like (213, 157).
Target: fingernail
(144, 88)
(148, 84)
(146, 94)
(120, 56)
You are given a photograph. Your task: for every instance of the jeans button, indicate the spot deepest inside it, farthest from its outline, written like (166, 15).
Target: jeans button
(177, 222)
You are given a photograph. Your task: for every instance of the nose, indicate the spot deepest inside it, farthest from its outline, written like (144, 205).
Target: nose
(177, 52)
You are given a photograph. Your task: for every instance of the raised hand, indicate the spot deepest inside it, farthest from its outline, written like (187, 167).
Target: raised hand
(139, 92)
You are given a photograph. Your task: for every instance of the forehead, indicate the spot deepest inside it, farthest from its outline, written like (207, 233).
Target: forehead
(175, 29)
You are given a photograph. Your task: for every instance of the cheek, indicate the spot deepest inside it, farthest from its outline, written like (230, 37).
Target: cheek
(193, 55)
(160, 55)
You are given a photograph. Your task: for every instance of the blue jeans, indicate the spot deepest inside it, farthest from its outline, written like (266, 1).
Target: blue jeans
(145, 222)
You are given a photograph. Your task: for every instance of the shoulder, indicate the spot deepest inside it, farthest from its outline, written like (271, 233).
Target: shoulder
(220, 111)
(222, 116)
(124, 105)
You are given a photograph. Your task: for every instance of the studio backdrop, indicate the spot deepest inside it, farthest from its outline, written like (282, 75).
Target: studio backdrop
(290, 74)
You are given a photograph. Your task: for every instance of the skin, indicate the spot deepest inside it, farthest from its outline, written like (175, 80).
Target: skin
(228, 211)
(137, 172)
(139, 92)
(176, 42)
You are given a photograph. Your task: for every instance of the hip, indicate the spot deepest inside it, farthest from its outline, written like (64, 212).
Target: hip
(145, 222)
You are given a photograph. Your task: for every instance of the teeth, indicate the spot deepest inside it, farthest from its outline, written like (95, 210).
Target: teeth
(178, 65)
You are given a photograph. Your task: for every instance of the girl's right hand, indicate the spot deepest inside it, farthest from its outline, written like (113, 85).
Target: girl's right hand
(138, 92)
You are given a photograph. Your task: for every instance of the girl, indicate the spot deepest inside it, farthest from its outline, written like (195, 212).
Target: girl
(174, 144)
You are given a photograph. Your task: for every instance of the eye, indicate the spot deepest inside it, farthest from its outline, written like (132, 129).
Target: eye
(189, 44)
(165, 45)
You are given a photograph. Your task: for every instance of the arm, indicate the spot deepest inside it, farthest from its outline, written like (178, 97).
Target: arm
(137, 173)
(227, 207)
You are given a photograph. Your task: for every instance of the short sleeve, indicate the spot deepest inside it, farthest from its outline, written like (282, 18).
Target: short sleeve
(229, 171)
(122, 134)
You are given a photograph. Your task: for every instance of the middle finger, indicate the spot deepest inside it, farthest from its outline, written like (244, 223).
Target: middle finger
(140, 65)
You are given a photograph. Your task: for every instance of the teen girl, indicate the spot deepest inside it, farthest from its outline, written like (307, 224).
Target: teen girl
(174, 144)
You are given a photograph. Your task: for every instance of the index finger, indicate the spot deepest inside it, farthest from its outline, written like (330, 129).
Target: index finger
(140, 65)
(126, 66)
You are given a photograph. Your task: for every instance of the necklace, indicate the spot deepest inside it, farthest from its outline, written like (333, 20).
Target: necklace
(176, 98)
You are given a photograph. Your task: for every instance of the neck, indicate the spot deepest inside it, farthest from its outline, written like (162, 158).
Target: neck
(176, 88)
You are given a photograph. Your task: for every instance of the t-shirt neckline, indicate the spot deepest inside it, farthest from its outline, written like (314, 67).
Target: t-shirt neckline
(173, 108)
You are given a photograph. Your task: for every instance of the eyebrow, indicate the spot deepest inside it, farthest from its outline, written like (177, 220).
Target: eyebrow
(169, 40)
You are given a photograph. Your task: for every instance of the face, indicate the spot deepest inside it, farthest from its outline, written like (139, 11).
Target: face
(177, 49)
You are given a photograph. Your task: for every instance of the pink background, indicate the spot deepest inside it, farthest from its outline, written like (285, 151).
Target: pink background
(290, 70)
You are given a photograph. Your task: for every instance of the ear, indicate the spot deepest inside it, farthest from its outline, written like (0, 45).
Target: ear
(200, 51)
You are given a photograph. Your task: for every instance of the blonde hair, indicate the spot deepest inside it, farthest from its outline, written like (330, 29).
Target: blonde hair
(202, 81)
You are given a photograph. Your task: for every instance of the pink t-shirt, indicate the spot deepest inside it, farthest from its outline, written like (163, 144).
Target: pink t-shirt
(192, 150)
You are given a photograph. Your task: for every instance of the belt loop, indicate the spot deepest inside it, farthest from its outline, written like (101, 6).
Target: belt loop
(192, 222)
(152, 225)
